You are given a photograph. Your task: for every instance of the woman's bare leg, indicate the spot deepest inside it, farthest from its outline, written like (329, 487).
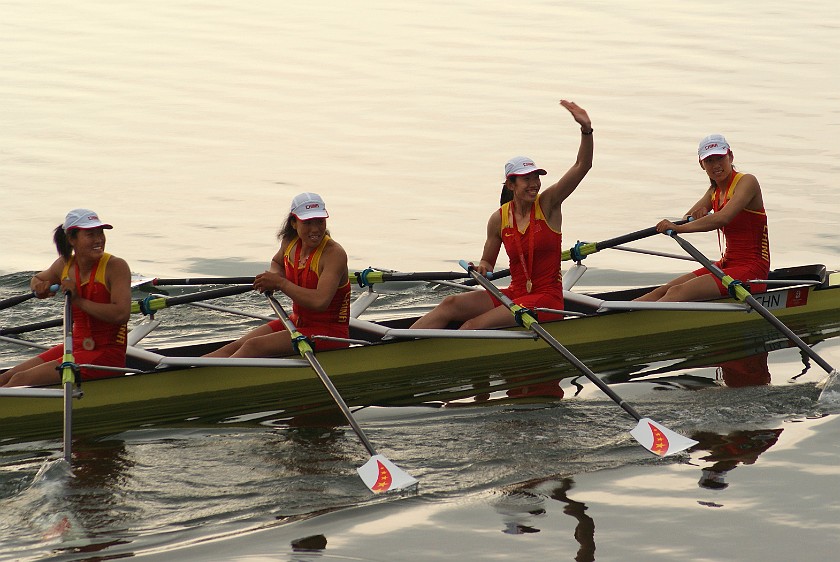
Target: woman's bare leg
(456, 308)
(230, 349)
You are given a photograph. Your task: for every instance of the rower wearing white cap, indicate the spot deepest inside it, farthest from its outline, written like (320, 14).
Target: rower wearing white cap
(100, 288)
(734, 206)
(528, 224)
(311, 269)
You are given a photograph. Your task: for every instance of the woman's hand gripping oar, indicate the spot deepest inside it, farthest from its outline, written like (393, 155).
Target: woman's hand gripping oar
(652, 435)
(379, 474)
(12, 301)
(738, 291)
(582, 249)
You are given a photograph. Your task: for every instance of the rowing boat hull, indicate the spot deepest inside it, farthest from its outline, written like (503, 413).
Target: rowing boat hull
(412, 371)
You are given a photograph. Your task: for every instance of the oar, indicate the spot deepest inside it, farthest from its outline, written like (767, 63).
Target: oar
(31, 327)
(379, 474)
(652, 435)
(364, 278)
(371, 276)
(12, 301)
(69, 372)
(150, 304)
(581, 250)
(737, 290)
(163, 281)
(147, 305)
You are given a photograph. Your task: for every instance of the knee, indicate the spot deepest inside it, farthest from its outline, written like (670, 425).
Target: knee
(674, 294)
(449, 303)
(470, 324)
(248, 348)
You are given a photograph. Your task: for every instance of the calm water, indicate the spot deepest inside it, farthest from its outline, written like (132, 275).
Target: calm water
(190, 125)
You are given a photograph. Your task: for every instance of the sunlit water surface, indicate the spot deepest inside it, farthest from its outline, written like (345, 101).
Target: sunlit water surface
(190, 126)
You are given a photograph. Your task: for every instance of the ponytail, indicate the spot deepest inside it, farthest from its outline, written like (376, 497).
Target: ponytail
(288, 228)
(62, 242)
(506, 195)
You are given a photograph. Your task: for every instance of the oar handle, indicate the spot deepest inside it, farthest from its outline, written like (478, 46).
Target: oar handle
(583, 249)
(151, 304)
(469, 268)
(12, 301)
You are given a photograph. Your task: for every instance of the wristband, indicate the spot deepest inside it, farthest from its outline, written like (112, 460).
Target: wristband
(591, 130)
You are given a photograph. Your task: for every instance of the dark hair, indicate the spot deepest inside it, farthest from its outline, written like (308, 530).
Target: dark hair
(288, 228)
(507, 194)
(62, 241)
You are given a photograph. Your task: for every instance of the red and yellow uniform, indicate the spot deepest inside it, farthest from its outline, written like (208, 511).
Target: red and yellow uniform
(535, 259)
(747, 246)
(95, 341)
(335, 320)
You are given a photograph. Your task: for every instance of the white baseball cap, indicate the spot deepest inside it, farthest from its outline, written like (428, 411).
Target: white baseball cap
(309, 206)
(521, 166)
(713, 144)
(83, 219)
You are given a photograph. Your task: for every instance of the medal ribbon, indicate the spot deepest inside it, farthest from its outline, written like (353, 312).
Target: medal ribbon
(718, 201)
(296, 269)
(85, 290)
(531, 222)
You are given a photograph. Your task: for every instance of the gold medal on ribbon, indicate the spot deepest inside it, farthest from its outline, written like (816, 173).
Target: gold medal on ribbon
(88, 344)
(528, 285)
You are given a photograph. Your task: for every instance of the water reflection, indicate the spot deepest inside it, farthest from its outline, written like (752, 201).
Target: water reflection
(64, 508)
(747, 371)
(728, 451)
(520, 509)
(524, 388)
(585, 528)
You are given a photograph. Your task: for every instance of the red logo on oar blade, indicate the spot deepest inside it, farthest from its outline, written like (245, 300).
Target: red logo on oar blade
(660, 442)
(384, 480)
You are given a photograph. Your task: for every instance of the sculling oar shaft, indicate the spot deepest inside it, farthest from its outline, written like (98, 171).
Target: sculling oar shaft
(31, 327)
(737, 290)
(363, 278)
(653, 436)
(161, 281)
(69, 371)
(12, 301)
(581, 250)
(150, 304)
(379, 474)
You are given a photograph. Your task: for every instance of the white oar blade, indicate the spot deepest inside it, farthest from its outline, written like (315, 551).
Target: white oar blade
(830, 394)
(381, 475)
(658, 439)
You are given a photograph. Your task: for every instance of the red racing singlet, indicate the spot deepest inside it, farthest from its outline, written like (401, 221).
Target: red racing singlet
(746, 235)
(104, 334)
(534, 255)
(335, 320)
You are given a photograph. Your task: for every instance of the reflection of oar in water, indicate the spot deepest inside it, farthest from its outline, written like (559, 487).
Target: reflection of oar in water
(738, 291)
(379, 474)
(653, 436)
